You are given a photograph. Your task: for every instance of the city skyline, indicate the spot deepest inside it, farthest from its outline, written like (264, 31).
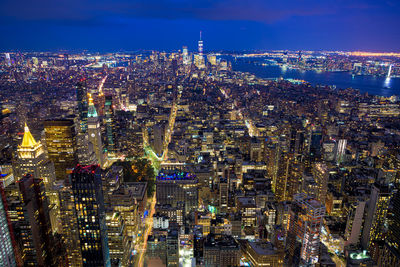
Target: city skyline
(209, 133)
(227, 25)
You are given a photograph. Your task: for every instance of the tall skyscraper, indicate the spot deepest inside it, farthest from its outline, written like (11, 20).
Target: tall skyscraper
(32, 159)
(304, 229)
(8, 59)
(212, 59)
(109, 112)
(185, 56)
(340, 151)
(94, 132)
(61, 145)
(90, 211)
(81, 98)
(7, 257)
(391, 253)
(284, 173)
(315, 143)
(70, 231)
(200, 46)
(321, 176)
(377, 211)
(32, 225)
(199, 58)
(354, 223)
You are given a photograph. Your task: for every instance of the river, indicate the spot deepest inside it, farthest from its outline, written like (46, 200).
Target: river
(371, 84)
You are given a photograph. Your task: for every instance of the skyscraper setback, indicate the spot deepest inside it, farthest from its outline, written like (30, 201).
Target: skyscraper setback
(94, 132)
(32, 159)
(304, 230)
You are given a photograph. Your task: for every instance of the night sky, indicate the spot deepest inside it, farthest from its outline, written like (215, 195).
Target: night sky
(105, 25)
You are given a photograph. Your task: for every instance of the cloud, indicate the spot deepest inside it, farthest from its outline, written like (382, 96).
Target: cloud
(264, 11)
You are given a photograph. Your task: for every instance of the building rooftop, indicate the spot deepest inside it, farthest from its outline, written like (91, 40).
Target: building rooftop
(28, 140)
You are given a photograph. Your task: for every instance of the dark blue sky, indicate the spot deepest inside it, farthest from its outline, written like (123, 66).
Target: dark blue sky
(106, 25)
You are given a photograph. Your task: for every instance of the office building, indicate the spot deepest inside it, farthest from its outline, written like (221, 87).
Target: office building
(109, 117)
(94, 132)
(87, 190)
(29, 212)
(185, 56)
(304, 230)
(391, 253)
(223, 251)
(172, 246)
(69, 222)
(355, 219)
(321, 177)
(81, 98)
(31, 159)
(173, 187)
(7, 256)
(374, 225)
(158, 137)
(262, 253)
(61, 145)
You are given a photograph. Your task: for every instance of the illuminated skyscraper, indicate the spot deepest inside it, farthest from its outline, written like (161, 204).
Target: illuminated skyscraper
(29, 207)
(185, 55)
(89, 208)
(7, 258)
(109, 112)
(70, 231)
(200, 46)
(391, 254)
(199, 58)
(212, 59)
(8, 59)
(374, 224)
(32, 159)
(81, 98)
(341, 149)
(315, 143)
(354, 223)
(285, 171)
(303, 230)
(321, 176)
(94, 132)
(61, 145)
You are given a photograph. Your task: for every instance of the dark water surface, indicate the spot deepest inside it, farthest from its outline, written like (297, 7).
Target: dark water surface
(371, 84)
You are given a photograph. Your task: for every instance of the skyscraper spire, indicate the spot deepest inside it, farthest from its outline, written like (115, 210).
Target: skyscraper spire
(92, 113)
(28, 140)
(200, 46)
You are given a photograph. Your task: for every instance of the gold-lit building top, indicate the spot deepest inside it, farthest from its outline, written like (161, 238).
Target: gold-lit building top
(28, 140)
(29, 147)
